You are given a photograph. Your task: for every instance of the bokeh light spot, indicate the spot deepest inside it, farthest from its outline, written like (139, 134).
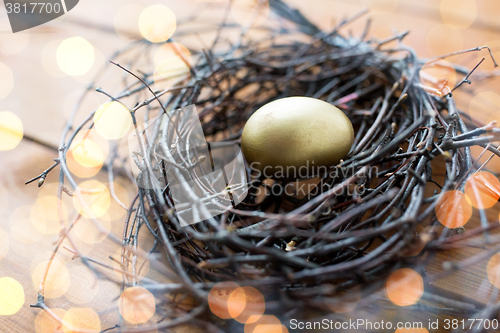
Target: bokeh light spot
(439, 75)
(112, 120)
(11, 127)
(75, 56)
(218, 296)
(7, 81)
(483, 189)
(246, 304)
(57, 281)
(157, 23)
(78, 320)
(45, 323)
(265, 324)
(169, 69)
(137, 305)
(92, 199)
(493, 270)
(453, 209)
(250, 13)
(404, 287)
(87, 153)
(11, 296)
(459, 14)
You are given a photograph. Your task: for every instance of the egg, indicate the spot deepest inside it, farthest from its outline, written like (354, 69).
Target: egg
(296, 137)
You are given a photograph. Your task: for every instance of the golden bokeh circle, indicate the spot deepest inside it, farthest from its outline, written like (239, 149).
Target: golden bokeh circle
(493, 270)
(439, 75)
(92, 199)
(265, 324)
(77, 320)
(75, 56)
(87, 153)
(453, 209)
(169, 69)
(11, 128)
(246, 304)
(137, 305)
(112, 120)
(483, 189)
(79, 170)
(11, 296)
(404, 287)
(45, 323)
(218, 296)
(157, 23)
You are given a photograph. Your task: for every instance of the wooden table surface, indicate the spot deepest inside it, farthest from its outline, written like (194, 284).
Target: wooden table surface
(42, 96)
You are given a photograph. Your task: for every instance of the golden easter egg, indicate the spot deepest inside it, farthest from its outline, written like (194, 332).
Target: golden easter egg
(296, 137)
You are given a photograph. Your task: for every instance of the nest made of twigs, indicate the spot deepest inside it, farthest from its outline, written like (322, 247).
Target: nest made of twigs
(354, 227)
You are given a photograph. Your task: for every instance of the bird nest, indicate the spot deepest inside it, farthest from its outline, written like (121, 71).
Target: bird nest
(310, 253)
